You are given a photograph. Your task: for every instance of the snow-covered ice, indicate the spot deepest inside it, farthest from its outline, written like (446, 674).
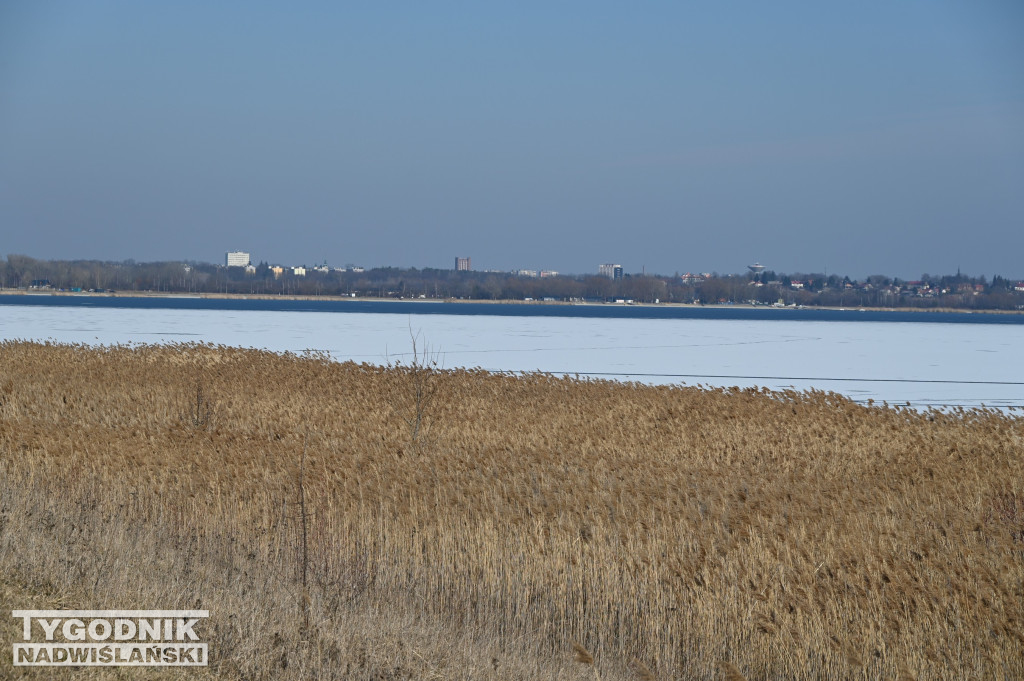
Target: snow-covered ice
(924, 364)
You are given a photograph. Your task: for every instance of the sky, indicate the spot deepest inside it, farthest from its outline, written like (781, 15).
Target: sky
(878, 137)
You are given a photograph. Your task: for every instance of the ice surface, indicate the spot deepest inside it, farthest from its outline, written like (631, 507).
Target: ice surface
(924, 364)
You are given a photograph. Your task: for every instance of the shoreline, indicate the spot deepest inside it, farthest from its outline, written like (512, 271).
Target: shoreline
(375, 299)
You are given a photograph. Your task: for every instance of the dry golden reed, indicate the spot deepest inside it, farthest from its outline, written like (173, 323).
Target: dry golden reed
(797, 535)
(583, 655)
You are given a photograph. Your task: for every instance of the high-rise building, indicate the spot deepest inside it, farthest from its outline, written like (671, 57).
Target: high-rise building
(236, 259)
(610, 270)
(462, 265)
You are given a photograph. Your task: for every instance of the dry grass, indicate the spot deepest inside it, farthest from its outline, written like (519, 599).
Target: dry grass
(667, 532)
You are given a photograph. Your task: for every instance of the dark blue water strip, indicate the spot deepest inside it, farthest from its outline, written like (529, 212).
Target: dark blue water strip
(592, 311)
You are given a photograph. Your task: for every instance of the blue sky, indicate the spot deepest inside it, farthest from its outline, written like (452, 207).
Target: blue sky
(875, 137)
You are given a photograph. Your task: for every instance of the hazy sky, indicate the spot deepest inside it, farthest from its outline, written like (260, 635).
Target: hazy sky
(869, 137)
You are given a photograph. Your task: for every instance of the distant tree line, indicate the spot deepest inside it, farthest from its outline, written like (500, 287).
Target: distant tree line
(765, 288)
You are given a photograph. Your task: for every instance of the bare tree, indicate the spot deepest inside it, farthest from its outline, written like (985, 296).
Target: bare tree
(422, 371)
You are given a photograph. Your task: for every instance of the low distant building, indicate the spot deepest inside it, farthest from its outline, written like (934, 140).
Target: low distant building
(548, 273)
(299, 271)
(250, 269)
(610, 270)
(277, 270)
(526, 273)
(236, 259)
(462, 265)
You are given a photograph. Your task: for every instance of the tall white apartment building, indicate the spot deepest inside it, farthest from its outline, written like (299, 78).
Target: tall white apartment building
(610, 270)
(236, 259)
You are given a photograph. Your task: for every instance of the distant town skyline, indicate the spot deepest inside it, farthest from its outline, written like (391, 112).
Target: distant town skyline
(610, 270)
(611, 284)
(881, 138)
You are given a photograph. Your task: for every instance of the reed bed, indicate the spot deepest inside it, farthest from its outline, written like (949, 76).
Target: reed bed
(531, 527)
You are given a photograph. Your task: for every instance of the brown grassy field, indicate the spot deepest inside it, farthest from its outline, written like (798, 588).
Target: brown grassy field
(532, 527)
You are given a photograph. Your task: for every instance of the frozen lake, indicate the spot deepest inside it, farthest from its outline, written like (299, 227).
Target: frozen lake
(942, 364)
